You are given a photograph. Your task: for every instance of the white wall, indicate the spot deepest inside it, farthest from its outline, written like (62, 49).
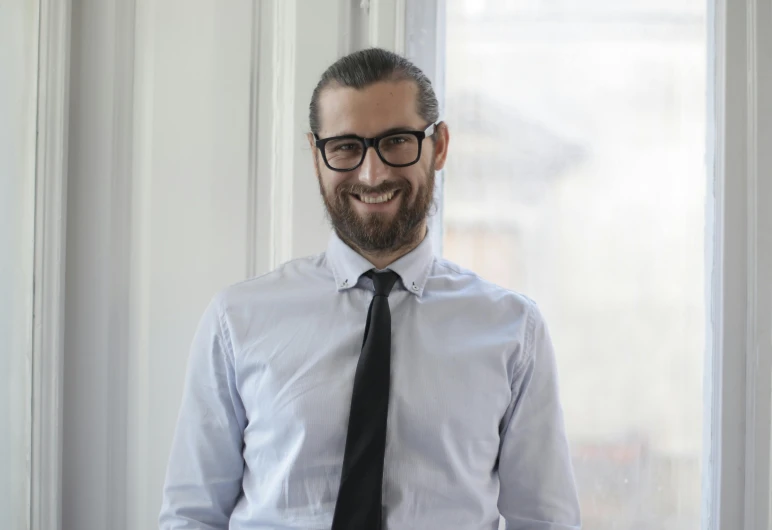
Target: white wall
(18, 95)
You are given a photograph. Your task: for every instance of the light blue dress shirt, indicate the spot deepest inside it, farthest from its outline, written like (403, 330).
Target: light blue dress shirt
(475, 424)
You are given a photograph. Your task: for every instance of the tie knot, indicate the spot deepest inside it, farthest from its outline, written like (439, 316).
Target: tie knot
(383, 281)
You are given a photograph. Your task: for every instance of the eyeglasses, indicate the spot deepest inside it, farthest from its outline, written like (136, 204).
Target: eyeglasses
(396, 149)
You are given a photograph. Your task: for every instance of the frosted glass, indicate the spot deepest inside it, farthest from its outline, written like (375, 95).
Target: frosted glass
(576, 175)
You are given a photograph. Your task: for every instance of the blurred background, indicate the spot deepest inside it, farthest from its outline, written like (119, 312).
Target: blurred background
(577, 175)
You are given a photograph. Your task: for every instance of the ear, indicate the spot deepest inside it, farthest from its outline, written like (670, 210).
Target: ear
(312, 143)
(441, 145)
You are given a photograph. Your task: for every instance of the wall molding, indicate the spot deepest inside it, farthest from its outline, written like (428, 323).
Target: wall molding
(253, 220)
(272, 134)
(282, 153)
(50, 248)
(138, 371)
(119, 261)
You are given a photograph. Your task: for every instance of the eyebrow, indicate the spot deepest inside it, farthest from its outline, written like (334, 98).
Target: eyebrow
(383, 133)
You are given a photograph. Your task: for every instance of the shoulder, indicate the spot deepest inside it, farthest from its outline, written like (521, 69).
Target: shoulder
(488, 307)
(300, 274)
(456, 278)
(247, 308)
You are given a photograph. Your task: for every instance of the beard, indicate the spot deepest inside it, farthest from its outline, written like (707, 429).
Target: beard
(380, 233)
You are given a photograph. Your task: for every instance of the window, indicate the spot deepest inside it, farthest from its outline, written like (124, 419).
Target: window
(577, 176)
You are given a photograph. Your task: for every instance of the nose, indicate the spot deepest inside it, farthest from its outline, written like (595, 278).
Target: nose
(372, 170)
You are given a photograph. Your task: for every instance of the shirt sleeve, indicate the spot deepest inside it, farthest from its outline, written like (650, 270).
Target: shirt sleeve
(206, 466)
(538, 490)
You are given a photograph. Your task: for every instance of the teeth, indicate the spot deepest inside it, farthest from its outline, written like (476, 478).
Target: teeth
(379, 198)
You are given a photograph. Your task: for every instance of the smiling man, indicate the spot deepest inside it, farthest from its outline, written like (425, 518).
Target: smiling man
(377, 199)
(373, 386)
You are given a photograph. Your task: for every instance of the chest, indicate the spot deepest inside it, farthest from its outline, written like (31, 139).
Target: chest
(450, 379)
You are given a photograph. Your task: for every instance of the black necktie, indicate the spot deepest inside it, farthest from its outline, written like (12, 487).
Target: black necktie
(359, 498)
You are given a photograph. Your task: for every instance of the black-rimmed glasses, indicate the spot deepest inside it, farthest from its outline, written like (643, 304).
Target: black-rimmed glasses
(396, 149)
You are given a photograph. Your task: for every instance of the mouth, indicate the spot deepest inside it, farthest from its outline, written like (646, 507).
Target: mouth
(378, 199)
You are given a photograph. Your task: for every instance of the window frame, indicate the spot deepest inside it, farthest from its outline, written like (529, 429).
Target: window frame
(738, 393)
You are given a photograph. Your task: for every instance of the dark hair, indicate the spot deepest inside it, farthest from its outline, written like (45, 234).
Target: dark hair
(365, 67)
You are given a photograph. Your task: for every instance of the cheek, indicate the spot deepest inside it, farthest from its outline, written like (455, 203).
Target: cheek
(330, 181)
(417, 177)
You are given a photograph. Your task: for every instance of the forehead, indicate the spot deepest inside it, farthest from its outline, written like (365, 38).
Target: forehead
(368, 111)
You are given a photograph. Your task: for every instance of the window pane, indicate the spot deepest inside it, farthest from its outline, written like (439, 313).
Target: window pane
(576, 175)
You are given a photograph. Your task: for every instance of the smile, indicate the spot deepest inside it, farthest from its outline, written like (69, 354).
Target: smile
(371, 198)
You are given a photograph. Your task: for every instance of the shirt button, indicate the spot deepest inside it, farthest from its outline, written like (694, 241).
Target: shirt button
(415, 287)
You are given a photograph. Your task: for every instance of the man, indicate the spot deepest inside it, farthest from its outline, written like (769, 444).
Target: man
(373, 386)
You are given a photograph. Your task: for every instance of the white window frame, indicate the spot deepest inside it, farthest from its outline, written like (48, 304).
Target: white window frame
(737, 384)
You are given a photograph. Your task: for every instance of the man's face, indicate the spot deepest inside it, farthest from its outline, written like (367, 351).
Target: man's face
(378, 227)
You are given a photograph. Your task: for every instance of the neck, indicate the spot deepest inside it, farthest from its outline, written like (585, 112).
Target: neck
(382, 259)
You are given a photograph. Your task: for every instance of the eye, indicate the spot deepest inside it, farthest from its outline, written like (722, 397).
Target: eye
(396, 140)
(345, 146)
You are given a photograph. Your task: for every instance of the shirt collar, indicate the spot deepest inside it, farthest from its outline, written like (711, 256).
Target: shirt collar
(348, 265)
